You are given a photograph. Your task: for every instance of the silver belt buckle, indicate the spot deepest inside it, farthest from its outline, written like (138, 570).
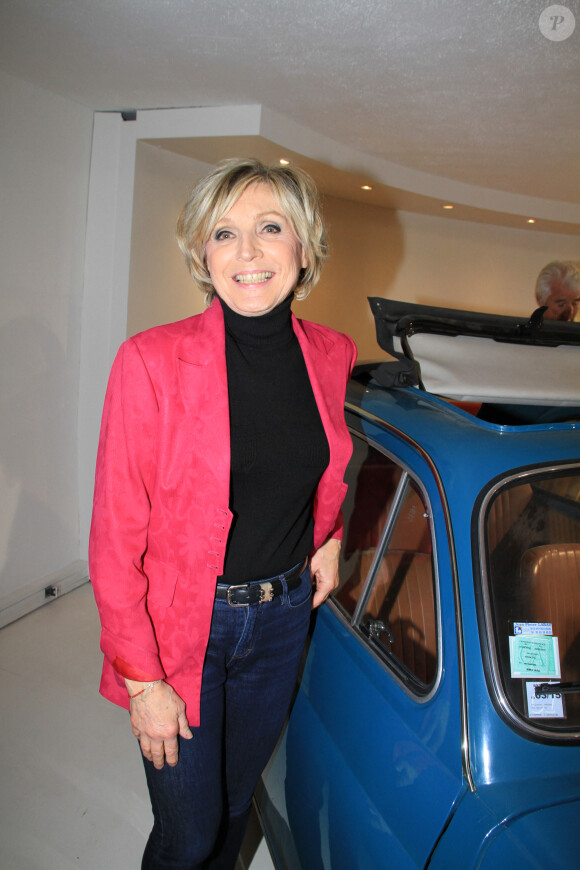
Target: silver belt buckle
(228, 599)
(266, 592)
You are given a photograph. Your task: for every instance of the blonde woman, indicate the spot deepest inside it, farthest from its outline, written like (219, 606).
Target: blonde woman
(216, 523)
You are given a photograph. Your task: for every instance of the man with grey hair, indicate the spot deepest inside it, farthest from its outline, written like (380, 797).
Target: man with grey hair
(558, 287)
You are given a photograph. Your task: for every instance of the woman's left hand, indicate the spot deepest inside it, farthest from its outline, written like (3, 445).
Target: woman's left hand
(324, 570)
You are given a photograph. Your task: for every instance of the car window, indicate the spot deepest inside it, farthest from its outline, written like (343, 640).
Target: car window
(387, 577)
(532, 539)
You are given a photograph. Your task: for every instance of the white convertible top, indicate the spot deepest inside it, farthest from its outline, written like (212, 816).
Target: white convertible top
(483, 370)
(469, 356)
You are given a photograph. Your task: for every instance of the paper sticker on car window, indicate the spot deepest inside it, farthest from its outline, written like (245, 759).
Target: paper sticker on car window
(544, 705)
(534, 656)
(532, 628)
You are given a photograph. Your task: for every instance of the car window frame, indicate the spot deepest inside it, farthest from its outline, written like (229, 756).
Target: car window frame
(401, 675)
(491, 665)
(361, 419)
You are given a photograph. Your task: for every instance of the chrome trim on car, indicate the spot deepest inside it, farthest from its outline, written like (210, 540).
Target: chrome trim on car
(519, 722)
(397, 499)
(406, 680)
(388, 427)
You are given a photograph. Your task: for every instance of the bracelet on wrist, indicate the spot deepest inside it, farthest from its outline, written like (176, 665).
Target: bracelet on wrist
(145, 689)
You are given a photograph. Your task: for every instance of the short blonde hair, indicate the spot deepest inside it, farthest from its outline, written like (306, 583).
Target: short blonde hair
(214, 196)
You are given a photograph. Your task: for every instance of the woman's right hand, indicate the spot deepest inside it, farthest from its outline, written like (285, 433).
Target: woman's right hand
(157, 717)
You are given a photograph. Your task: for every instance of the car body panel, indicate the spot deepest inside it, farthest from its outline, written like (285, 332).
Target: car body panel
(336, 816)
(371, 774)
(543, 838)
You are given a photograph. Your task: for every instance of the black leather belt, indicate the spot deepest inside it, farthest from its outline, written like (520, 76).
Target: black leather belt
(265, 590)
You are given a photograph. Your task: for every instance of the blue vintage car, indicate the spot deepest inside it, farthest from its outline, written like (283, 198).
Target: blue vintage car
(437, 720)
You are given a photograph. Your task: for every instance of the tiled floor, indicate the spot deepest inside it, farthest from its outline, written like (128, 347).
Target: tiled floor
(72, 790)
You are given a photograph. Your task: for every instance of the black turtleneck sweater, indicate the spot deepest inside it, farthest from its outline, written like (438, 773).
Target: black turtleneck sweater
(279, 449)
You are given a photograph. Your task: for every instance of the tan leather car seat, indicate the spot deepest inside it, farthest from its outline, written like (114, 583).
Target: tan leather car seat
(551, 577)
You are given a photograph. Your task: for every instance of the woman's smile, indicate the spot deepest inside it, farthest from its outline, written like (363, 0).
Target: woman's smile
(253, 277)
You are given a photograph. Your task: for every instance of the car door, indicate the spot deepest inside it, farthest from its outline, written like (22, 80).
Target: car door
(369, 768)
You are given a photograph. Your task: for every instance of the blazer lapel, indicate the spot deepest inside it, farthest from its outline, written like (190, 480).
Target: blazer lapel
(202, 373)
(327, 375)
(316, 349)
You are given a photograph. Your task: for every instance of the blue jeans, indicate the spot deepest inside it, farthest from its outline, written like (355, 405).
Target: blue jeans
(201, 806)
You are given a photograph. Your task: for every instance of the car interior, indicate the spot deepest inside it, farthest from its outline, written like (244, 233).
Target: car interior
(387, 586)
(532, 532)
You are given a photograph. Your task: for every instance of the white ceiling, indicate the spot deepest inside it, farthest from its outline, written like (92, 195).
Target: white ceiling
(468, 90)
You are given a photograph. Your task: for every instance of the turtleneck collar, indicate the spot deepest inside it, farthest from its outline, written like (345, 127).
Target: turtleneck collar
(272, 328)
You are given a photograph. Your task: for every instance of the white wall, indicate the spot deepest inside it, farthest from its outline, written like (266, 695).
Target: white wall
(160, 287)
(430, 260)
(374, 252)
(44, 164)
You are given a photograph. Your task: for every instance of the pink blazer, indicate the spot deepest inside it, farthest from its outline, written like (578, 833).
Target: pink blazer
(160, 515)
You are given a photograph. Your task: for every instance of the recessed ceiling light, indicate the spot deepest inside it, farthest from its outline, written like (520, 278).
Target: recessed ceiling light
(366, 187)
(448, 206)
(284, 162)
(531, 220)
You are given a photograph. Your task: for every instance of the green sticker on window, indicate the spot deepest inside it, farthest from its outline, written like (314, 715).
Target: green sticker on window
(534, 656)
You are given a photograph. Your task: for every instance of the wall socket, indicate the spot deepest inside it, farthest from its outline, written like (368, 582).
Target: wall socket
(52, 591)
